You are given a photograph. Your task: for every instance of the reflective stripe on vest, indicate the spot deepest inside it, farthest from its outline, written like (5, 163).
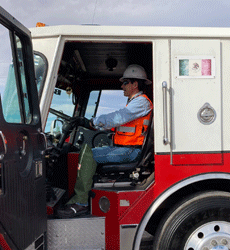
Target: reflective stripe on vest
(133, 133)
(126, 129)
(146, 122)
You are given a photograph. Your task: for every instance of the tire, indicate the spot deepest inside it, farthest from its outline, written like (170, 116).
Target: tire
(199, 222)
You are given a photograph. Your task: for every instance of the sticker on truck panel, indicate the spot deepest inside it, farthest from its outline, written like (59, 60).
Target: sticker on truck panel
(195, 67)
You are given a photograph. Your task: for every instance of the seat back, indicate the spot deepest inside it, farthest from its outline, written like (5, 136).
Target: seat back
(148, 145)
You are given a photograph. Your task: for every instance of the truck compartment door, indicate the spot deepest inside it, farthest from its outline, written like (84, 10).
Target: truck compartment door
(196, 102)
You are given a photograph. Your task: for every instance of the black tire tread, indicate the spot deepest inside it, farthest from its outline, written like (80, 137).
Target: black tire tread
(191, 212)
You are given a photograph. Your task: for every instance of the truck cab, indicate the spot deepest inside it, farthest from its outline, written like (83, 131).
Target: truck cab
(81, 78)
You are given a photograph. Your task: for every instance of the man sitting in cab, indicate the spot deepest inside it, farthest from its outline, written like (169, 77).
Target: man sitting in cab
(130, 125)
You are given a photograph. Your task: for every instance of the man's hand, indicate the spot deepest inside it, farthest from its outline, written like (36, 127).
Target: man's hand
(83, 122)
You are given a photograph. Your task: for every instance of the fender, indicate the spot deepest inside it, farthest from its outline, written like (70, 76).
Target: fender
(168, 193)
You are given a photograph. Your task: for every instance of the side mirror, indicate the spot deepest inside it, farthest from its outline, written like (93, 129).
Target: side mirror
(56, 126)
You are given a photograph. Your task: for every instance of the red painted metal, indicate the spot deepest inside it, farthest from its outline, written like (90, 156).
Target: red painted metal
(3, 243)
(49, 210)
(197, 159)
(112, 235)
(166, 175)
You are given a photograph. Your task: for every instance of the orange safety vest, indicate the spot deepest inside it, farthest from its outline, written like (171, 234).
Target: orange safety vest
(133, 133)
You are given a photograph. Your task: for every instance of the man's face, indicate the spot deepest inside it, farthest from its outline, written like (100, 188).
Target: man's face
(129, 88)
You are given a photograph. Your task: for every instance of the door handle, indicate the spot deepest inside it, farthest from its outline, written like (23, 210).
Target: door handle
(3, 145)
(23, 151)
(42, 142)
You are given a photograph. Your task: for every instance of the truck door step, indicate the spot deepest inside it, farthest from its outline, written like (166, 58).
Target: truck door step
(76, 233)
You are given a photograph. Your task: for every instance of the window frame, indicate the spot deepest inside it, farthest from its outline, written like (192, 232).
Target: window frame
(17, 73)
(29, 76)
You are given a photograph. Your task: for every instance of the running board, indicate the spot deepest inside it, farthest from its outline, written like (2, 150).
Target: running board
(77, 233)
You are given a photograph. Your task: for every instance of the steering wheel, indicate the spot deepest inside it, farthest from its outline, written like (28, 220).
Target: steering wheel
(60, 114)
(69, 124)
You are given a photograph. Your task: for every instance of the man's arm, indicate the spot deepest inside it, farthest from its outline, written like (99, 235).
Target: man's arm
(138, 107)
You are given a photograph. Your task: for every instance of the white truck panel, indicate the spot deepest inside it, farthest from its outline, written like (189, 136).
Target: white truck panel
(129, 31)
(48, 47)
(161, 72)
(225, 48)
(190, 94)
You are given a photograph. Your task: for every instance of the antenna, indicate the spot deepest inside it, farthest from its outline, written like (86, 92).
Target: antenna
(94, 11)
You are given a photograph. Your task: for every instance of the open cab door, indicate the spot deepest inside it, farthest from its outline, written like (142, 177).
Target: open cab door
(22, 145)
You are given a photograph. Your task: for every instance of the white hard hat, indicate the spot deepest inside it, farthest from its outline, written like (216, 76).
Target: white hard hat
(135, 71)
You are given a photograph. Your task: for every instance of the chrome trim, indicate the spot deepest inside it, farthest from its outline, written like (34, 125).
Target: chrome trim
(207, 114)
(38, 169)
(104, 204)
(4, 145)
(215, 234)
(165, 195)
(112, 184)
(127, 235)
(4, 141)
(23, 151)
(165, 116)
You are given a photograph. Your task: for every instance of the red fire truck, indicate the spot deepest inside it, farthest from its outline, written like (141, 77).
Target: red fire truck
(176, 197)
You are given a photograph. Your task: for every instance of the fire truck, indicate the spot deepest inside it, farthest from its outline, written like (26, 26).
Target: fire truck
(177, 196)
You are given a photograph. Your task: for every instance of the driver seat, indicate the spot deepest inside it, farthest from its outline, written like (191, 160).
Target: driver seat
(137, 166)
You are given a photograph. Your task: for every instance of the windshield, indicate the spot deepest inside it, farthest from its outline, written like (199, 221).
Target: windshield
(62, 101)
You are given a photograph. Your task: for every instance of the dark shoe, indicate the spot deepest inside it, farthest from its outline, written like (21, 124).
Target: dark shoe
(72, 210)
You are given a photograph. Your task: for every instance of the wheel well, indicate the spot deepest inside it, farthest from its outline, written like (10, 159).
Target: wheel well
(206, 185)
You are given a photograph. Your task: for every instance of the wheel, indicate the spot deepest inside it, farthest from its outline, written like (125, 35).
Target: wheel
(200, 222)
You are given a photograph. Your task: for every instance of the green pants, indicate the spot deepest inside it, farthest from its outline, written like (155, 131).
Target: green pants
(86, 170)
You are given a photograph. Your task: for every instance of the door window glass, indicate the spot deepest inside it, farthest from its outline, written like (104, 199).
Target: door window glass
(8, 87)
(92, 104)
(109, 101)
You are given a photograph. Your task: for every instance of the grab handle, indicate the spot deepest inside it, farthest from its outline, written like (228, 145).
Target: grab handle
(165, 116)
